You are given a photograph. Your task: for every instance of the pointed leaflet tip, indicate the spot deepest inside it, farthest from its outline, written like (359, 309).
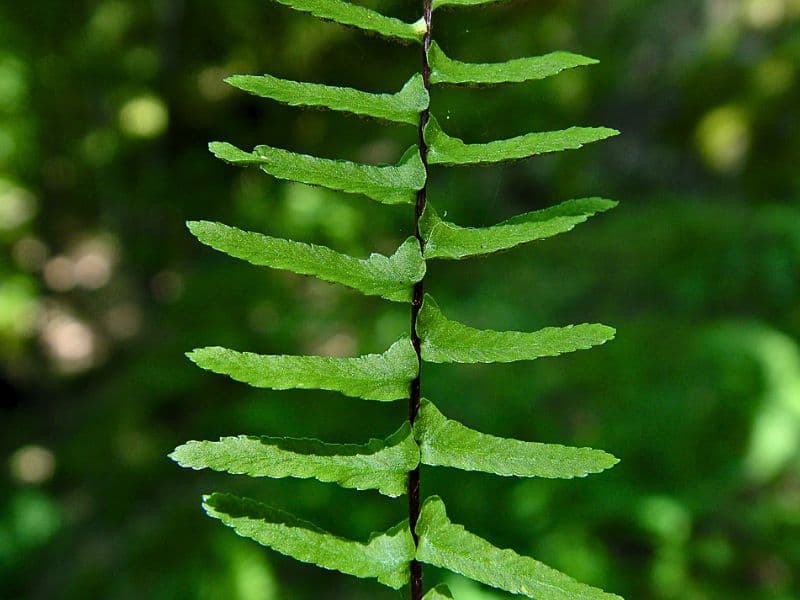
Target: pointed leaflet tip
(385, 556)
(446, 150)
(440, 592)
(450, 546)
(382, 377)
(446, 341)
(382, 465)
(391, 277)
(447, 443)
(449, 241)
(445, 70)
(231, 154)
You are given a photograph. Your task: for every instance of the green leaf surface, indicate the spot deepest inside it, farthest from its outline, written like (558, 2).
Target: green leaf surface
(381, 377)
(385, 556)
(381, 465)
(353, 15)
(390, 277)
(450, 241)
(462, 3)
(447, 443)
(389, 184)
(446, 150)
(448, 71)
(449, 546)
(403, 107)
(440, 592)
(446, 341)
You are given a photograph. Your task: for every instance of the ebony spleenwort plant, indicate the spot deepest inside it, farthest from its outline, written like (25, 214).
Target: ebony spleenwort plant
(391, 466)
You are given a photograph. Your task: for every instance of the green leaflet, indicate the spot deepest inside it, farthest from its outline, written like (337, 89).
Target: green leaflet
(447, 443)
(381, 465)
(403, 107)
(389, 184)
(449, 71)
(450, 546)
(380, 377)
(444, 3)
(440, 592)
(447, 240)
(360, 17)
(446, 150)
(449, 341)
(384, 557)
(390, 277)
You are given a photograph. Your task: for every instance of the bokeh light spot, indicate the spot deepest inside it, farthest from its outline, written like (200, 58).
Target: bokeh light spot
(723, 138)
(59, 274)
(763, 14)
(32, 519)
(32, 464)
(666, 518)
(253, 576)
(17, 205)
(18, 307)
(144, 117)
(93, 261)
(111, 19)
(70, 343)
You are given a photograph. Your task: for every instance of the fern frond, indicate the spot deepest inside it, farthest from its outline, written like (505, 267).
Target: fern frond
(385, 557)
(353, 15)
(391, 277)
(450, 241)
(383, 377)
(389, 184)
(446, 150)
(447, 443)
(391, 466)
(403, 107)
(449, 546)
(446, 341)
(381, 465)
(445, 70)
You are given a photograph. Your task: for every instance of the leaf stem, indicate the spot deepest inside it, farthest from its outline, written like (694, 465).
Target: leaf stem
(416, 304)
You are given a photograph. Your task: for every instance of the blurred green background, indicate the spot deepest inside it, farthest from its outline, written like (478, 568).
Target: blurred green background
(105, 111)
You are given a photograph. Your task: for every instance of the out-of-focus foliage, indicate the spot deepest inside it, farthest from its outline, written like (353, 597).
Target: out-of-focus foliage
(105, 112)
